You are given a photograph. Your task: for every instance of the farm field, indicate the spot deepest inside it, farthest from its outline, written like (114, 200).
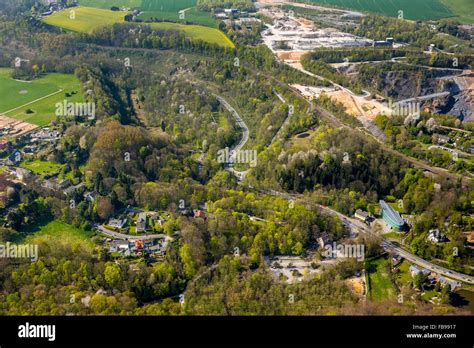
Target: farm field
(463, 9)
(40, 96)
(166, 5)
(192, 15)
(380, 284)
(160, 9)
(88, 19)
(412, 9)
(198, 32)
(107, 4)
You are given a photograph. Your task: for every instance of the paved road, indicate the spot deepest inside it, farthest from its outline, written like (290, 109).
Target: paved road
(245, 136)
(300, 68)
(424, 97)
(361, 227)
(240, 123)
(122, 236)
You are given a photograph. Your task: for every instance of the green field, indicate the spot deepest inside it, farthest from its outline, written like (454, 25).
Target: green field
(412, 9)
(191, 15)
(198, 32)
(381, 287)
(42, 167)
(107, 4)
(144, 5)
(166, 5)
(87, 19)
(57, 231)
(40, 95)
(463, 9)
(160, 9)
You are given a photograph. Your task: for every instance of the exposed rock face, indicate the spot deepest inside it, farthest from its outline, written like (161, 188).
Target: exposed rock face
(404, 84)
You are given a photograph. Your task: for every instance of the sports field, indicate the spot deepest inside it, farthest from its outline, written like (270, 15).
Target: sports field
(412, 9)
(87, 19)
(40, 96)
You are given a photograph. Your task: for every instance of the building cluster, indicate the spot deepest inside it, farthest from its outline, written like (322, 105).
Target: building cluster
(53, 6)
(137, 247)
(137, 221)
(286, 33)
(433, 278)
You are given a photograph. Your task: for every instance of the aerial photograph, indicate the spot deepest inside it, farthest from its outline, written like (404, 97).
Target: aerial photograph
(301, 168)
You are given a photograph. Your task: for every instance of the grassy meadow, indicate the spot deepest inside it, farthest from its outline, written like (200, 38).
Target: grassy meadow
(39, 95)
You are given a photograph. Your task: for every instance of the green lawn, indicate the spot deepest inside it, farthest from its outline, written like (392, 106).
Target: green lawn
(393, 234)
(15, 93)
(40, 95)
(404, 275)
(381, 286)
(57, 231)
(42, 167)
(412, 9)
(87, 19)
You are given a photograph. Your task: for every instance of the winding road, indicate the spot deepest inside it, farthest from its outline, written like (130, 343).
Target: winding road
(123, 236)
(245, 136)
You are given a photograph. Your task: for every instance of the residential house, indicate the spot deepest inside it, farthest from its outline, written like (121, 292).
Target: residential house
(120, 246)
(64, 184)
(451, 283)
(117, 223)
(4, 144)
(436, 236)
(361, 215)
(200, 214)
(90, 196)
(141, 222)
(396, 259)
(441, 139)
(23, 174)
(471, 149)
(415, 271)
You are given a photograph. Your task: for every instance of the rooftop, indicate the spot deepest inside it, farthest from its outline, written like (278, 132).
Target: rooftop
(391, 213)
